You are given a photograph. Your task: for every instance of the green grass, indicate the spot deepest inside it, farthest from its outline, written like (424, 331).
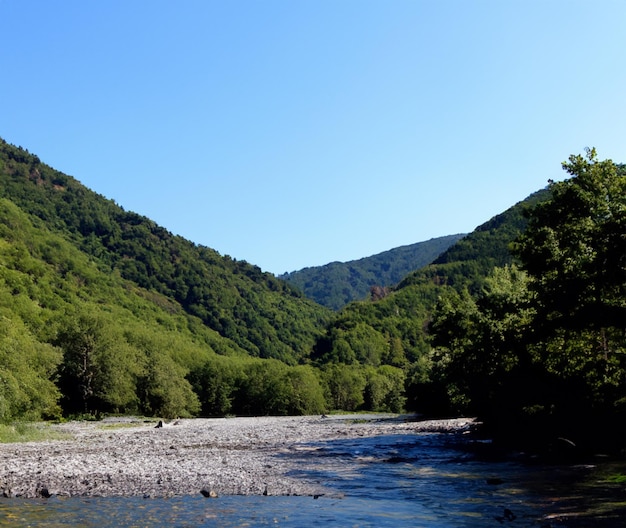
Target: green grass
(29, 432)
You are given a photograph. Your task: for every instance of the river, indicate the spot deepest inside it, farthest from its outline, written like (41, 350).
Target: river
(430, 480)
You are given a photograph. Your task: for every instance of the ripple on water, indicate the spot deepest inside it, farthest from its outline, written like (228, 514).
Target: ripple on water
(390, 481)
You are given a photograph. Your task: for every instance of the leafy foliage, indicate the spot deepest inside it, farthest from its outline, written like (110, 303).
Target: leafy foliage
(394, 330)
(26, 369)
(98, 368)
(542, 354)
(257, 387)
(480, 343)
(575, 247)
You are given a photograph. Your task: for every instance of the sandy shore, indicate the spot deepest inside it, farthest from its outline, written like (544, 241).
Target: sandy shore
(228, 456)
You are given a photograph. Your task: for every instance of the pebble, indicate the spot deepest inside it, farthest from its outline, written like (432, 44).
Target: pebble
(220, 456)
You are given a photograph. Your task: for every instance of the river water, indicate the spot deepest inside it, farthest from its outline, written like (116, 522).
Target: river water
(430, 480)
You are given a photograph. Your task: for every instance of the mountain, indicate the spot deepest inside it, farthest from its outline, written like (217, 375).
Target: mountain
(105, 311)
(467, 262)
(102, 310)
(393, 331)
(336, 284)
(260, 314)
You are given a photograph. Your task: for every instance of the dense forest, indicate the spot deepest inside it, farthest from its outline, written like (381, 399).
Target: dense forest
(339, 283)
(539, 353)
(104, 311)
(254, 310)
(521, 323)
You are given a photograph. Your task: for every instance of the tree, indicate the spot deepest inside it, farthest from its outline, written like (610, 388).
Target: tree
(163, 389)
(574, 248)
(99, 368)
(215, 382)
(345, 385)
(574, 251)
(265, 389)
(26, 367)
(307, 393)
(539, 353)
(479, 344)
(384, 389)
(80, 341)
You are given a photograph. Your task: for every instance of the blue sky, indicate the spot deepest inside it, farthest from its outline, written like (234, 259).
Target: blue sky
(293, 133)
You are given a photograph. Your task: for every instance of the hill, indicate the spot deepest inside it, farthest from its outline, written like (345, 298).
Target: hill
(103, 310)
(467, 262)
(392, 333)
(336, 284)
(262, 315)
(131, 317)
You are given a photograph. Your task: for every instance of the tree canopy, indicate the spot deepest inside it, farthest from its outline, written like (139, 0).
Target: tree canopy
(541, 352)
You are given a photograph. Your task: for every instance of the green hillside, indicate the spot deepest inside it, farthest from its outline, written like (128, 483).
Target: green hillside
(78, 339)
(339, 283)
(372, 345)
(262, 315)
(399, 320)
(520, 323)
(467, 263)
(104, 311)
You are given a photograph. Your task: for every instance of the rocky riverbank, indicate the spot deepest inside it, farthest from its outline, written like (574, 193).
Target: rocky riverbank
(228, 456)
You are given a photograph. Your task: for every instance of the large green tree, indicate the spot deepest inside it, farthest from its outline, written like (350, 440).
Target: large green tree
(480, 346)
(26, 367)
(575, 247)
(542, 354)
(574, 251)
(99, 369)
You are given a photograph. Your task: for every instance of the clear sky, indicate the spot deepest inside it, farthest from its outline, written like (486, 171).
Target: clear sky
(293, 133)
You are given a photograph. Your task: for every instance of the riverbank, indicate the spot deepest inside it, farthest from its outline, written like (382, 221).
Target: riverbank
(128, 457)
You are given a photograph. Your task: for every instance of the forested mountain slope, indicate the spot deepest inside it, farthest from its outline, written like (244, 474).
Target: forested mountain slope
(393, 331)
(76, 338)
(467, 262)
(339, 283)
(101, 310)
(109, 344)
(260, 314)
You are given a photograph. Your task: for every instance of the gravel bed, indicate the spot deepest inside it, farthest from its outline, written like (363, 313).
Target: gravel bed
(222, 456)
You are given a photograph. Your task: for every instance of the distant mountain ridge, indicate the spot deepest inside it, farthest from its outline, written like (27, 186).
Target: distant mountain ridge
(336, 284)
